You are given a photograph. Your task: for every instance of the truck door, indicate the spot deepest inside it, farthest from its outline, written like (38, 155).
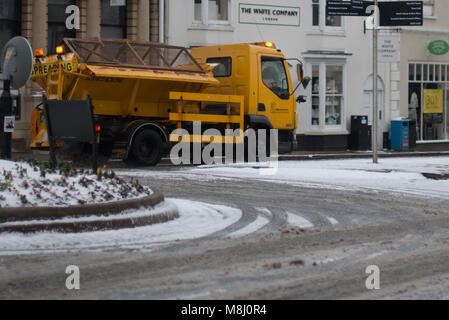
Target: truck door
(275, 101)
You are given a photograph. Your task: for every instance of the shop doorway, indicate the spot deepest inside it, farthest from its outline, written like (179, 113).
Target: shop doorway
(368, 106)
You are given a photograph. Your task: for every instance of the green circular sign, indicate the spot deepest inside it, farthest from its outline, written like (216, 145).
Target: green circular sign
(438, 47)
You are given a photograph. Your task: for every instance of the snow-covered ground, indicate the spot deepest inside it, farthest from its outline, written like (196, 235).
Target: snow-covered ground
(401, 175)
(32, 184)
(196, 220)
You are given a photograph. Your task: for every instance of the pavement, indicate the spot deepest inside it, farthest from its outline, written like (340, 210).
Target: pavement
(304, 155)
(295, 155)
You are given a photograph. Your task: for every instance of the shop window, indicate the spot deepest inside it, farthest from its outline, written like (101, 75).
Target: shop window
(327, 95)
(418, 68)
(431, 72)
(10, 17)
(56, 24)
(211, 11)
(113, 21)
(411, 72)
(334, 94)
(224, 69)
(425, 72)
(428, 100)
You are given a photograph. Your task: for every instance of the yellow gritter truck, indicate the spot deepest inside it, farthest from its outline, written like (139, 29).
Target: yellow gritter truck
(142, 91)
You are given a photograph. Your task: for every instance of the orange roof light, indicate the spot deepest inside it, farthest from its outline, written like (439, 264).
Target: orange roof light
(39, 52)
(267, 44)
(59, 49)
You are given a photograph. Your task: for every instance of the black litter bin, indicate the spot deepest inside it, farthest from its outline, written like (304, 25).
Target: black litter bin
(359, 138)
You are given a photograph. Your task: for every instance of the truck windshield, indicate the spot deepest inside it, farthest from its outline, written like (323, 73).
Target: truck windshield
(274, 76)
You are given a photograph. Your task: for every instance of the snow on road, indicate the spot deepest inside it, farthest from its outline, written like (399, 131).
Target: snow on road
(197, 219)
(333, 221)
(402, 175)
(298, 221)
(254, 226)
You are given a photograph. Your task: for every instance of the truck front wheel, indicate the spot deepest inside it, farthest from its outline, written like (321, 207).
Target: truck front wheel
(147, 148)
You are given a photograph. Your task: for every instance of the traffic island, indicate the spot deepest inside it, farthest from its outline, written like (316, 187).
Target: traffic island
(38, 197)
(130, 213)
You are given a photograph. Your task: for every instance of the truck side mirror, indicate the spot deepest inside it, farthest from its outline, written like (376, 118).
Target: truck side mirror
(305, 82)
(301, 78)
(299, 71)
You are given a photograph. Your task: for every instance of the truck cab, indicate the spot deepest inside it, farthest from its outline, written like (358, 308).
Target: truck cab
(259, 72)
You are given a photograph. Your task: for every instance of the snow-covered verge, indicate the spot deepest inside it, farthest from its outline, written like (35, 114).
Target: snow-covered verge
(196, 219)
(401, 175)
(27, 184)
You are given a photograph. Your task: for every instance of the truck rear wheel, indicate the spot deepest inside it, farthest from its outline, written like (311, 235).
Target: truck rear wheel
(147, 148)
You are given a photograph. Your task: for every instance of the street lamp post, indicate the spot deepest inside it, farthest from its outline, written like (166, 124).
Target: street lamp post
(375, 107)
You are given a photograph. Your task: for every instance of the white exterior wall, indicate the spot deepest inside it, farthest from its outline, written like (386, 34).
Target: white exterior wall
(294, 41)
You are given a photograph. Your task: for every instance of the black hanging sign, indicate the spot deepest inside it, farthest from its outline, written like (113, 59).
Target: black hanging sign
(401, 13)
(397, 13)
(348, 8)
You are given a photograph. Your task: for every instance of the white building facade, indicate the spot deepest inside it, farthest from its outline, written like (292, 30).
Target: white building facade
(337, 54)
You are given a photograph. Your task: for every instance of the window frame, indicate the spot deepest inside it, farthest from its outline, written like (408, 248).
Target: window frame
(322, 26)
(15, 22)
(322, 95)
(316, 3)
(205, 14)
(221, 58)
(124, 26)
(282, 60)
(431, 4)
(315, 94)
(59, 22)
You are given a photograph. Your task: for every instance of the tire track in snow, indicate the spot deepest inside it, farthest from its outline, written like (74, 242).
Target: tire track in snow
(299, 221)
(249, 215)
(253, 227)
